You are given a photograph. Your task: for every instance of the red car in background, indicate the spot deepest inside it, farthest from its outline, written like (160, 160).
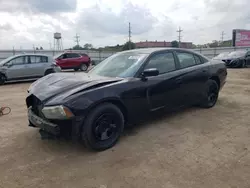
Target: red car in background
(71, 60)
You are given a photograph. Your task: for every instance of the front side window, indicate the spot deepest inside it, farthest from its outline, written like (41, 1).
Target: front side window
(163, 62)
(19, 60)
(186, 59)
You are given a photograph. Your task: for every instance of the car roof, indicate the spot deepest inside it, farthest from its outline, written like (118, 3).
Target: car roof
(19, 55)
(152, 50)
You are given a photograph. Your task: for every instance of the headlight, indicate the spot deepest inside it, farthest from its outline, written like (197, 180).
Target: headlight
(57, 112)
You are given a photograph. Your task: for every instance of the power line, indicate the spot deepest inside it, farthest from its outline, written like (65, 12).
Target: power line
(222, 36)
(129, 36)
(179, 36)
(77, 39)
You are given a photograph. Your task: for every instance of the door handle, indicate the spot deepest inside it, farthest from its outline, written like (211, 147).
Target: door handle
(178, 80)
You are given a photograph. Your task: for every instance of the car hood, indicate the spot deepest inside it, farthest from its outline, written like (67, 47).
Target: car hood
(62, 85)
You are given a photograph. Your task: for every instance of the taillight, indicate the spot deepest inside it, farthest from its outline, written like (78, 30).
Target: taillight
(54, 64)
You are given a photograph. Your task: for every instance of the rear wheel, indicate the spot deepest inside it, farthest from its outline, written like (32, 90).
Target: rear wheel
(211, 95)
(84, 67)
(2, 79)
(103, 127)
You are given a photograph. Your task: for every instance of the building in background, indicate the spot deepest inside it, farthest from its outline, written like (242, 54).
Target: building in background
(154, 44)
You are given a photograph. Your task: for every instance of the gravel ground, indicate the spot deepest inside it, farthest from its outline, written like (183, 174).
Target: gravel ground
(192, 148)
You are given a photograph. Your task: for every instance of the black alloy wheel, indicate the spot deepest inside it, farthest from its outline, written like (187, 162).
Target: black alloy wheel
(103, 127)
(212, 94)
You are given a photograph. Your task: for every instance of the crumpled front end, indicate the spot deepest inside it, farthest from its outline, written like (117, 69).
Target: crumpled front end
(68, 128)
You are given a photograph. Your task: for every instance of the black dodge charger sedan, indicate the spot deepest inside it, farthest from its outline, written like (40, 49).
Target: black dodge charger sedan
(95, 107)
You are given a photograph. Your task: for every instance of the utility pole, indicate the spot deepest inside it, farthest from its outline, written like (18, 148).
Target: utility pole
(77, 39)
(129, 36)
(179, 36)
(222, 36)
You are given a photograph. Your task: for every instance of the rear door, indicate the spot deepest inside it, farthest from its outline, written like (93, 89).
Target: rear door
(193, 74)
(37, 64)
(17, 68)
(74, 60)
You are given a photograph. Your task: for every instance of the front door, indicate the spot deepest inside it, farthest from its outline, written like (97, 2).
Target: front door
(162, 90)
(17, 68)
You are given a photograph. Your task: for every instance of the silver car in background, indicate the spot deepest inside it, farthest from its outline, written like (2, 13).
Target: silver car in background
(27, 66)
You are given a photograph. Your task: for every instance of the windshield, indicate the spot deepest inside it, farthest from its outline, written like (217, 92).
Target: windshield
(120, 65)
(237, 54)
(57, 55)
(5, 60)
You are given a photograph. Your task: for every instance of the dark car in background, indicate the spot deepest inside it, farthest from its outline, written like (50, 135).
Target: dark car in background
(71, 60)
(235, 59)
(96, 106)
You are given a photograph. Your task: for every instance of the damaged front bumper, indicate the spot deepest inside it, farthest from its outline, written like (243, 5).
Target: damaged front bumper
(60, 128)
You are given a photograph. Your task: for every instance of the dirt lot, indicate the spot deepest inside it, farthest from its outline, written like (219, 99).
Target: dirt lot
(192, 148)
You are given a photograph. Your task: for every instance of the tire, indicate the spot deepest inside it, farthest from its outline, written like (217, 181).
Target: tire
(76, 69)
(243, 65)
(47, 72)
(97, 134)
(211, 94)
(2, 79)
(84, 67)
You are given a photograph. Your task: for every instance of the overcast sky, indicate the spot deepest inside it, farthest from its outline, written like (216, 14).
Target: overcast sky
(25, 23)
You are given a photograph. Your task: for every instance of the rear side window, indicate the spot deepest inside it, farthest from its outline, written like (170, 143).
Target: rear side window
(44, 59)
(198, 59)
(38, 59)
(186, 59)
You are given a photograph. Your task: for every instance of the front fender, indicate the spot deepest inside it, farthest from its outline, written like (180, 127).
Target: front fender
(81, 104)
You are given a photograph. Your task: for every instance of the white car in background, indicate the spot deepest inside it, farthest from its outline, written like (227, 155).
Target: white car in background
(26, 66)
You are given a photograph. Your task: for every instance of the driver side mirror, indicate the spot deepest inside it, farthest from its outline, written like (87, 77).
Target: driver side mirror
(150, 72)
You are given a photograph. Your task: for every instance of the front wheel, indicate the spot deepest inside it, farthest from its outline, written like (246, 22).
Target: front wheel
(84, 67)
(243, 65)
(211, 95)
(103, 127)
(2, 79)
